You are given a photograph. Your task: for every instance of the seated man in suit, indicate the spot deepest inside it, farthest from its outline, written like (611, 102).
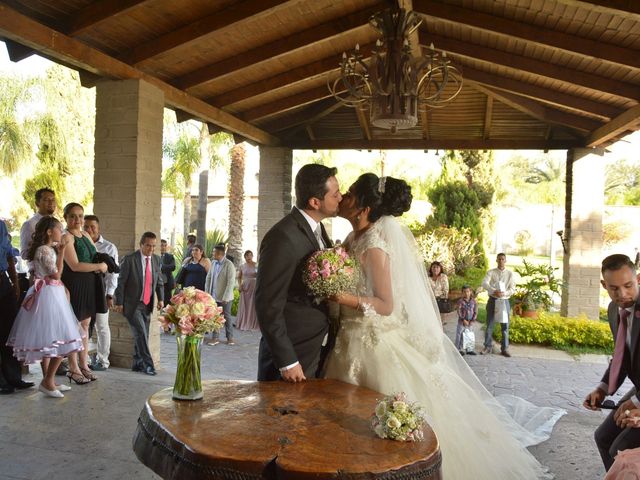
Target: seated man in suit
(620, 280)
(140, 276)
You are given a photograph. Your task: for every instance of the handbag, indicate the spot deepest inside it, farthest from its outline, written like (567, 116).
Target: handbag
(468, 340)
(444, 305)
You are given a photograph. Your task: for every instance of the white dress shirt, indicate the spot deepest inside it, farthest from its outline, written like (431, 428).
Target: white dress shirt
(502, 280)
(110, 279)
(313, 224)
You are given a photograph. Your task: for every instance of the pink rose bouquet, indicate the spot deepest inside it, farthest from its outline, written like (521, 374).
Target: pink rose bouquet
(193, 312)
(330, 272)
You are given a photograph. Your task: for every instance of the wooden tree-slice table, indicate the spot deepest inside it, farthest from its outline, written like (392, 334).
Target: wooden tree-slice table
(267, 430)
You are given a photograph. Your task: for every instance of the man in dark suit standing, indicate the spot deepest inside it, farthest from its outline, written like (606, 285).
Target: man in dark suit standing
(140, 276)
(293, 326)
(620, 280)
(168, 265)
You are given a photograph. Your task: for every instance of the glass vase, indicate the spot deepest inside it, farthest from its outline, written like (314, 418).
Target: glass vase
(188, 383)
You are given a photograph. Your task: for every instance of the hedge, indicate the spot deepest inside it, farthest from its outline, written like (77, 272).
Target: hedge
(559, 332)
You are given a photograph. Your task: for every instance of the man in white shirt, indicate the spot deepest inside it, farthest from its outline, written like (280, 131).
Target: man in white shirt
(620, 279)
(45, 205)
(500, 285)
(103, 332)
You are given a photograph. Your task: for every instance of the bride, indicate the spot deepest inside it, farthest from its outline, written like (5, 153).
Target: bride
(391, 340)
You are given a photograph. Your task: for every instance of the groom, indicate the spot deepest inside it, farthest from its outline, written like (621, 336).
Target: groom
(293, 326)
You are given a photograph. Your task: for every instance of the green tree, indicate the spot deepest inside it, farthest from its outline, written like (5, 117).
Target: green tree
(236, 201)
(622, 183)
(537, 180)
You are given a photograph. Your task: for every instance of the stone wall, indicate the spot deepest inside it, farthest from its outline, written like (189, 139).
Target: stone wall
(275, 187)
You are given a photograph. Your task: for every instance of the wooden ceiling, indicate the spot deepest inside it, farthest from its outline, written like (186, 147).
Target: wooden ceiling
(538, 74)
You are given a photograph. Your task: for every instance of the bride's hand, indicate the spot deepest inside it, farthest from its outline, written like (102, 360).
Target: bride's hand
(339, 298)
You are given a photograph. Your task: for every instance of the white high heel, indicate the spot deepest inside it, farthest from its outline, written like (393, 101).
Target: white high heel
(50, 393)
(63, 388)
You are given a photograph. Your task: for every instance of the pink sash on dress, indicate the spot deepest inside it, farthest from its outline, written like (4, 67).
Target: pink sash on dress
(27, 304)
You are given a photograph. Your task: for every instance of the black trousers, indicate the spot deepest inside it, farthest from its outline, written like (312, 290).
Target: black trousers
(610, 439)
(139, 324)
(9, 366)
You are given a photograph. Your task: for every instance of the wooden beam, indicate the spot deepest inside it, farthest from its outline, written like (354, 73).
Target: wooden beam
(16, 51)
(284, 104)
(26, 31)
(443, 144)
(363, 120)
(631, 8)
(488, 112)
(531, 33)
(309, 130)
(98, 12)
(299, 74)
(276, 48)
(541, 112)
(234, 13)
(88, 79)
(618, 125)
(536, 67)
(182, 116)
(540, 93)
(425, 118)
(285, 122)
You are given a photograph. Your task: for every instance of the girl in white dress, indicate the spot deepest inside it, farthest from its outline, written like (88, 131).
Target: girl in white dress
(391, 340)
(46, 328)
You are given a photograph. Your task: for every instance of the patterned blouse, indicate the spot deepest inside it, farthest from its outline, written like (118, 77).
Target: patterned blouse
(440, 286)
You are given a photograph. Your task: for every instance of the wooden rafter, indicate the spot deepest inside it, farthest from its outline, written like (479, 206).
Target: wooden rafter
(26, 31)
(529, 32)
(608, 6)
(321, 67)
(276, 48)
(540, 93)
(309, 130)
(204, 26)
(98, 12)
(531, 65)
(488, 113)
(540, 112)
(288, 103)
(309, 114)
(363, 120)
(615, 127)
(425, 118)
(17, 51)
(449, 143)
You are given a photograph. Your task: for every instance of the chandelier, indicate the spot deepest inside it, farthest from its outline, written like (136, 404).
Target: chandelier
(395, 84)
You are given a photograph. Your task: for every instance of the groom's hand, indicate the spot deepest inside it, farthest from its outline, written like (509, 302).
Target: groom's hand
(294, 374)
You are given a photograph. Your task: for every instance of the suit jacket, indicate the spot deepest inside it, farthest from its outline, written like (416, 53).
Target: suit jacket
(168, 266)
(292, 324)
(130, 285)
(225, 282)
(631, 363)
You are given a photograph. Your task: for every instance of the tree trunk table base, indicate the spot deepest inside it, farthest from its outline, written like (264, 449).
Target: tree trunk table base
(274, 430)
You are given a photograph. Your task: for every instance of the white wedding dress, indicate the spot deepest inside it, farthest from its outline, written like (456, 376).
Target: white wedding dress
(407, 351)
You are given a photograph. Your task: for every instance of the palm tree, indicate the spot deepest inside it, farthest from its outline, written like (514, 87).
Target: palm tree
(236, 201)
(15, 147)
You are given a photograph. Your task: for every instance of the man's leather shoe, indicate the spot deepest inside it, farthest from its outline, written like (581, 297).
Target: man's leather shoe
(505, 353)
(97, 367)
(150, 371)
(7, 389)
(136, 368)
(22, 385)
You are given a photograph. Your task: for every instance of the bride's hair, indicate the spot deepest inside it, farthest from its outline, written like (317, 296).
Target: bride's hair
(384, 196)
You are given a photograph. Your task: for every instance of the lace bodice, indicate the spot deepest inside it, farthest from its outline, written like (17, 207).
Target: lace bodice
(44, 263)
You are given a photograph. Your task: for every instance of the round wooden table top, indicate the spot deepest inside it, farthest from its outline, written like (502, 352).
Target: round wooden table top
(263, 430)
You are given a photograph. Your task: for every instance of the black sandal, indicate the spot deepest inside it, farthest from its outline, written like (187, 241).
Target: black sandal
(77, 377)
(88, 374)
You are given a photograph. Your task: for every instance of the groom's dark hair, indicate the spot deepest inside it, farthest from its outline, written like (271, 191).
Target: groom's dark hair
(311, 181)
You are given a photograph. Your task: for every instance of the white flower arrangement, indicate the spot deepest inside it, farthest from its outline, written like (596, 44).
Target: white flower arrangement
(397, 419)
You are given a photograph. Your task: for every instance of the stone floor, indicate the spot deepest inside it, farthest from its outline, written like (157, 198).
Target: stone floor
(88, 434)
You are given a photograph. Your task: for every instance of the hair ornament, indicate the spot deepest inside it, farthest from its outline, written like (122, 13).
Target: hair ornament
(381, 184)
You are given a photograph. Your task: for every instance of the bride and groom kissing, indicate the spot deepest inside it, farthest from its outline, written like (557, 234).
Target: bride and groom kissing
(390, 337)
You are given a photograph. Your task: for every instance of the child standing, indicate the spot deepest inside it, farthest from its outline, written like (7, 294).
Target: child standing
(467, 315)
(46, 328)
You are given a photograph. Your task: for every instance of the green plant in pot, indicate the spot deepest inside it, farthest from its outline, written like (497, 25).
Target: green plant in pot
(537, 286)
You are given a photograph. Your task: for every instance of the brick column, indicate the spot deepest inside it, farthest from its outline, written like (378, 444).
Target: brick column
(274, 191)
(127, 190)
(583, 232)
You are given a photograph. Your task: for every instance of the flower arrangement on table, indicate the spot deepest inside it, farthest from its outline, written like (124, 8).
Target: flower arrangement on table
(193, 313)
(397, 419)
(330, 272)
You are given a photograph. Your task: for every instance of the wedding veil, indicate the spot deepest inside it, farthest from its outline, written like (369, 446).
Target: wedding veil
(415, 303)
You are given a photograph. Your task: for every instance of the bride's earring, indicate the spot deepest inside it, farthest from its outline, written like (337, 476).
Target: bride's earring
(358, 218)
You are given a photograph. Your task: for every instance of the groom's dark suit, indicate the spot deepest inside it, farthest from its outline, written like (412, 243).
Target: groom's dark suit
(609, 437)
(292, 325)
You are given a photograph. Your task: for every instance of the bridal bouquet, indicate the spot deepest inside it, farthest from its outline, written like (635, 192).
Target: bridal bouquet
(330, 272)
(194, 313)
(397, 419)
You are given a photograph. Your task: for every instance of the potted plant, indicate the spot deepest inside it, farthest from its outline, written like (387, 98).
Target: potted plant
(535, 291)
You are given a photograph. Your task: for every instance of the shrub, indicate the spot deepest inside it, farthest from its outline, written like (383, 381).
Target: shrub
(452, 247)
(472, 277)
(559, 332)
(235, 302)
(524, 243)
(537, 287)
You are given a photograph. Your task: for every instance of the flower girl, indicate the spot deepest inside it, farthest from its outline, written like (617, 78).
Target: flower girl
(46, 328)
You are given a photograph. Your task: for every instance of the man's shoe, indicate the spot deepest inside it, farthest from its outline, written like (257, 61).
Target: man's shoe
(213, 342)
(7, 389)
(505, 353)
(150, 370)
(471, 352)
(22, 385)
(136, 368)
(230, 341)
(461, 352)
(97, 367)
(485, 351)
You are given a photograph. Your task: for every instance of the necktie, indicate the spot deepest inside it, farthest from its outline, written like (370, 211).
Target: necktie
(146, 296)
(618, 353)
(318, 233)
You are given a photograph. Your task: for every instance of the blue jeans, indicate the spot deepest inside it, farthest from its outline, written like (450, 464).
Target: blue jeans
(488, 341)
(228, 324)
